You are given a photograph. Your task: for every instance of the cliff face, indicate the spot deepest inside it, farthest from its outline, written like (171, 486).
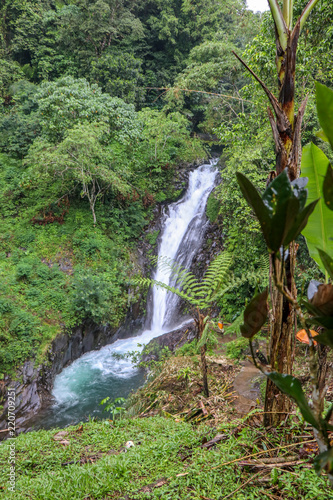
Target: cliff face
(33, 383)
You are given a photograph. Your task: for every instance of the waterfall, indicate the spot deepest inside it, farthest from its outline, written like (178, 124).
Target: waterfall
(181, 238)
(81, 386)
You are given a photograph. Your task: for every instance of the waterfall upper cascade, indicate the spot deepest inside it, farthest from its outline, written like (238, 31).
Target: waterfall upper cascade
(81, 386)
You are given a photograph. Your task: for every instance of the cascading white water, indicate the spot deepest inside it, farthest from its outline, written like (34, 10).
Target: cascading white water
(181, 238)
(79, 387)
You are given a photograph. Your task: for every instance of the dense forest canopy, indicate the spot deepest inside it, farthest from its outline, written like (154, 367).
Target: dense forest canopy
(87, 146)
(100, 102)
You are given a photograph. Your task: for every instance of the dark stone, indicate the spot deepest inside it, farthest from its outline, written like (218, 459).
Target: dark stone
(173, 340)
(33, 383)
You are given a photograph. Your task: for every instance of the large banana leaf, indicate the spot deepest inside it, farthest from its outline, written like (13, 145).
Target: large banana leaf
(319, 229)
(324, 97)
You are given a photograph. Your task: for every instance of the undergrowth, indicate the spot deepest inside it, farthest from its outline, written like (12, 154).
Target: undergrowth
(169, 460)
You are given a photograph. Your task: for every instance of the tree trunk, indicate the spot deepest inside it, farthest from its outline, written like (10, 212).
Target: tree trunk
(286, 130)
(201, 326)
(322, 372)
(282, 339)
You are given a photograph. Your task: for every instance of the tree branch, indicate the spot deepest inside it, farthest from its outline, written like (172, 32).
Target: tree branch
(283, 123)
(306, 12)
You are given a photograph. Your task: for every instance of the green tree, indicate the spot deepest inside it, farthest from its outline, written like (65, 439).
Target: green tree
(200, 295)
(80, 160)
(168, 138)
(119, 74)
(69, 101)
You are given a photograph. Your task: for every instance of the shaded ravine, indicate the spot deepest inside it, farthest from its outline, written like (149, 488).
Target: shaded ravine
(80, 387)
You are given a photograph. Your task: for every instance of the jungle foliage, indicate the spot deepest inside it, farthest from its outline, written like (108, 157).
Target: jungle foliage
(86, 150)
(89, 145)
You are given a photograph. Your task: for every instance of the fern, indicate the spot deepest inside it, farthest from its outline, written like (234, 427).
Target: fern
(235, 325)
(260, 276)
(196, 293)
(216, 276)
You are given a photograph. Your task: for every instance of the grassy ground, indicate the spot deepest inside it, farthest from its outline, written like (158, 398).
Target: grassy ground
(172, 427)
(168, 461)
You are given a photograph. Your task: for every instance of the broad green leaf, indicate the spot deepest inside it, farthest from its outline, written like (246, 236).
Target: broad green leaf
(300, 191)
(327, 261)
(300, 223)
(325, 338)
(324, 461)
(321, 134)
(279, 195)
(255, 315)
(254, 199)
(318, 231)
(292, 386)
(328, 188)
(325, 321)
(312, 310)
(324, 97)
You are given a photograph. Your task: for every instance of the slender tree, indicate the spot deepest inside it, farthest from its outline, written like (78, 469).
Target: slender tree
(286, 129)
(200, 295)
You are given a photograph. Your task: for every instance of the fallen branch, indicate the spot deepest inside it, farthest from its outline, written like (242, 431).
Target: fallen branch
(273, 460)
(261, 453)
(166, 89)
(242, 485)
(272, 465)
(217, 439)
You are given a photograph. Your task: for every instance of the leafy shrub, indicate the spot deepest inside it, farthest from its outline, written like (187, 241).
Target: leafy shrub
(152, 237)
(89, 296)
(5, 306)
(236, 348)
(213, 207)
(188, 349)
(24, 324)
(24, 271)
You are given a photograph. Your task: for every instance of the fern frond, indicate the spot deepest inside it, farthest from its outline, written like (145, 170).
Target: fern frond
(177, 271)
(141, 281)
(263, 270)
(177, 291)
(235, 325)
(216, 275)
(207, 335)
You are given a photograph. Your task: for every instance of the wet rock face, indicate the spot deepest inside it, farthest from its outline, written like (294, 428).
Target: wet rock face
(173, 340)
(33, 384)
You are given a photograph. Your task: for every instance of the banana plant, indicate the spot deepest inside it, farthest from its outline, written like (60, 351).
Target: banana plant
(286, 131)
(286, 127)
(289, 198)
